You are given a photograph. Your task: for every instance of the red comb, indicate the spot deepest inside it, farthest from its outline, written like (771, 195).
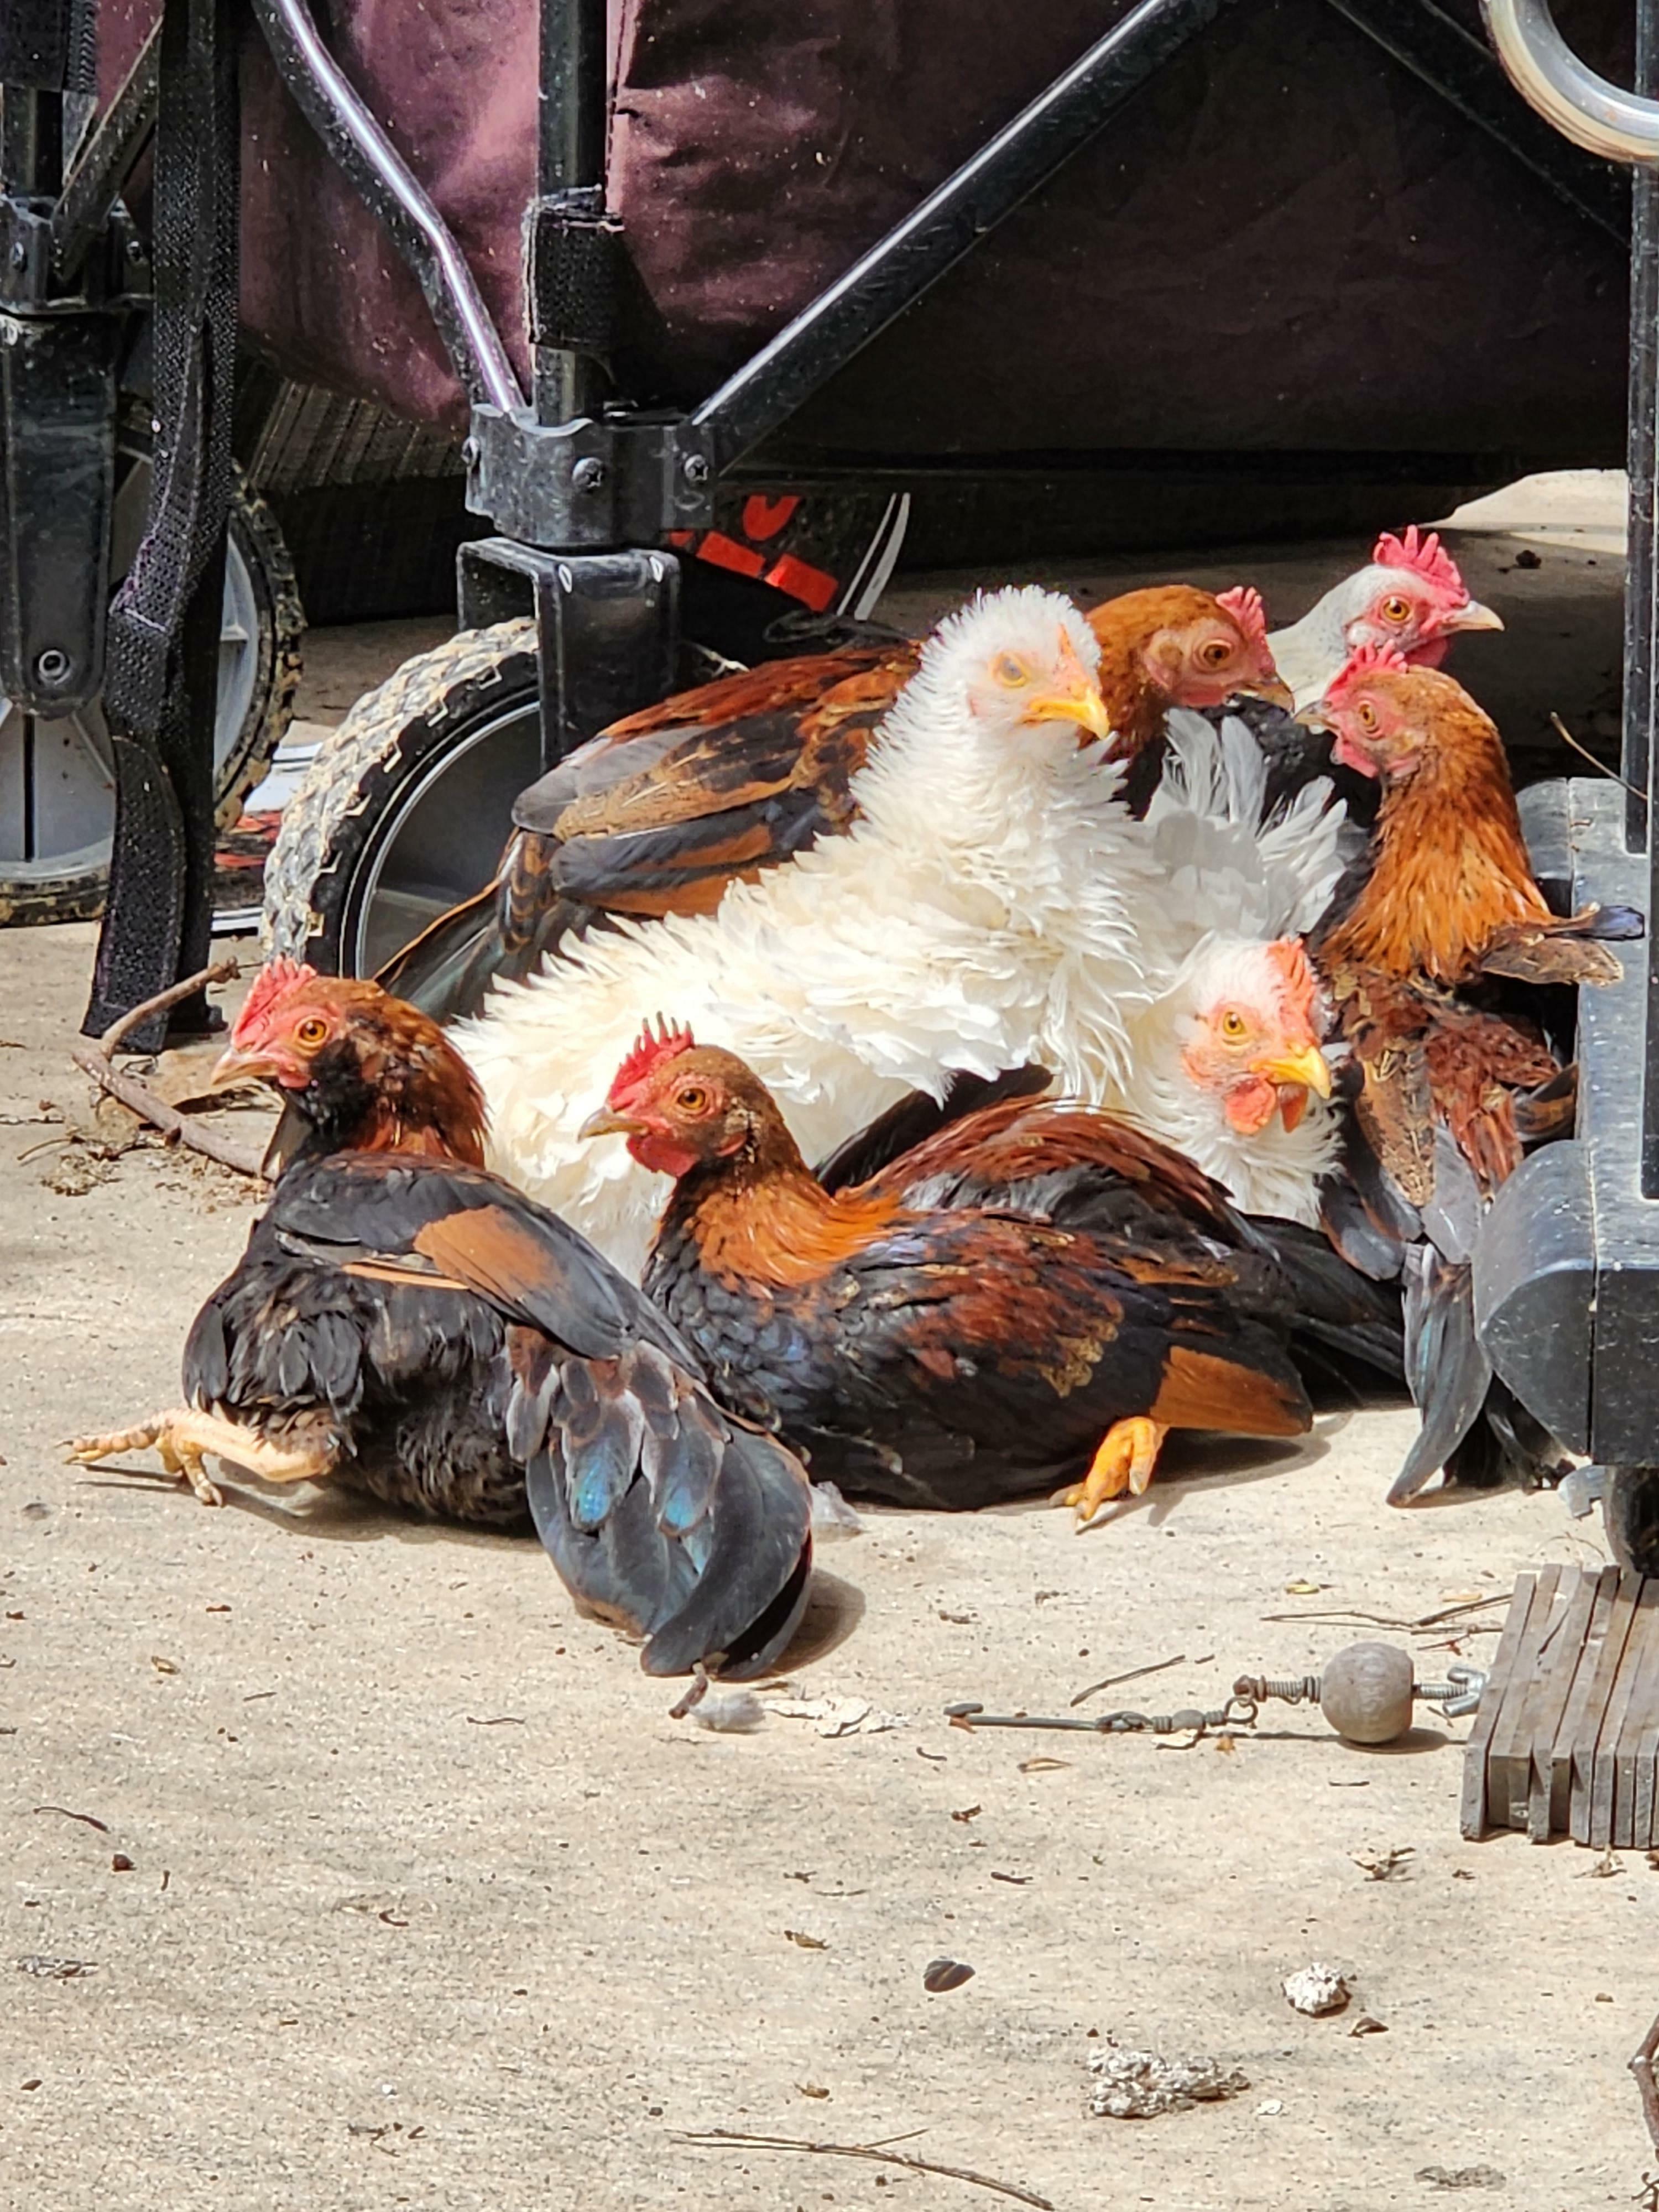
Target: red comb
(1244, 603)
(1367, 660)
(1290, 955)
(270, 987)
(1424, 556)
(668, 1042)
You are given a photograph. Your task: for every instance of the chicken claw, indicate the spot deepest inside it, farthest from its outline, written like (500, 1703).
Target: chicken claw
(1124, 1460)
(184, 1435)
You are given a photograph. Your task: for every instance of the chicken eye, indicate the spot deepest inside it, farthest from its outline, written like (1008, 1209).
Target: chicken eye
(691, 1100)
(1233, 1024)
(1214, 654)
(1366, 714)
(1010, 671)
(312, 1030)
(1396, 610)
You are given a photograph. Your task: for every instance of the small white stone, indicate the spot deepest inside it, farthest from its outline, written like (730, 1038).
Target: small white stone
(1270, 2108)
(1316, 1988)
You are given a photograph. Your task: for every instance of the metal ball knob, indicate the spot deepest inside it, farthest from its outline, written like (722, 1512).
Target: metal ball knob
(1365, 1692)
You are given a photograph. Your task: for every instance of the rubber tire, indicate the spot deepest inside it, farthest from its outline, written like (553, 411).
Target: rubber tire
(281, 651)
(1629, 1515)
(78, 895)
(387, 739)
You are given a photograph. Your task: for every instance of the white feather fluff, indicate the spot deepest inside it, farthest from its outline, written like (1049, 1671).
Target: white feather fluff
(993, 904)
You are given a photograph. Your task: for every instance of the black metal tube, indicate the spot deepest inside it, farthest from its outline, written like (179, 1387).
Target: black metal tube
(355, 140)
(106, 161)
(1462, 68)
(572, 122)
(31, 141)
(896, 272)
(1640, 752)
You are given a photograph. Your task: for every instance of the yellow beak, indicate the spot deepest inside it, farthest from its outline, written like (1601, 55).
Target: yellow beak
(1305, 1068)
(1271, 688)
(606, 1123)
(233, 1068)
(1083, 705)
(1473, 617)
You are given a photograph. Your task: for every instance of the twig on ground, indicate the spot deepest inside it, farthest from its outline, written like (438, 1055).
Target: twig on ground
(94, 1060)
(1642, 2067)
(1134, 1675)
(222, 971)
(720, 2138)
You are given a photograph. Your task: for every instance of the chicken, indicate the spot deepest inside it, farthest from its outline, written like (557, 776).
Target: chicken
(1412, 600)
(662, 812)
(1455, 1077)
(929, 1350)
(1224, 1061)
(994, 904)
(405, 1323)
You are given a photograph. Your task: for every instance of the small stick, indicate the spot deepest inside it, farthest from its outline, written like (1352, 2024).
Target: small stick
(717, 2138)
(1642, 2067)
(1134, 1676)
(95, 1061)
(222, 971)
(1601, 767)
(148, 1108)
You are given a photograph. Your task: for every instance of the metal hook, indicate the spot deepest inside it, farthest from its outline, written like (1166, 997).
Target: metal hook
(1594, 113)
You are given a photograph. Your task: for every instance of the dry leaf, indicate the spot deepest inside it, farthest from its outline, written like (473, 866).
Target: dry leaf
(968, 1813)
(1303, 1588)
(806, 1942)
(1042, 1766)
(162, 1666)
(941, 1974)
(810, 2089)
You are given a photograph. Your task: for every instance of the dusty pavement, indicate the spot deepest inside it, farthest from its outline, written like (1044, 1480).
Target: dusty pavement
(430, 1903)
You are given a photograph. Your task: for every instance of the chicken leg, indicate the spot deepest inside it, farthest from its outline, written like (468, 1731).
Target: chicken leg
(183, 1435)
(1124, 1460)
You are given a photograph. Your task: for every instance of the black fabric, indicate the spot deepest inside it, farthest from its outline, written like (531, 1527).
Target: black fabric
(160, 676)
(34, 44)
(574, 268)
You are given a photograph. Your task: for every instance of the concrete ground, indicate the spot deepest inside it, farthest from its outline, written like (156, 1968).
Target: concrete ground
(391, 1882)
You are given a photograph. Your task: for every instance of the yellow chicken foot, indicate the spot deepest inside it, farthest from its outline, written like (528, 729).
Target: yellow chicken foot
(1125, 1459)
(183, 1436)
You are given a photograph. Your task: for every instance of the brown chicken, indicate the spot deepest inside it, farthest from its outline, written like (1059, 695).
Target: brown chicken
(662, 812)
(406, 1324)
(1035, 1292)
(1456, 1074)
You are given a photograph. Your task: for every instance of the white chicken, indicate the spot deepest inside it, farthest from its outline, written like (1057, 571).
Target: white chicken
(1413, 598)
(1225, 1060)
(994, 904)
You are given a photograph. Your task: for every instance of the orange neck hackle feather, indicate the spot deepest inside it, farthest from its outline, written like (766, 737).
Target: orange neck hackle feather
(1451, 866)
(759, 1214)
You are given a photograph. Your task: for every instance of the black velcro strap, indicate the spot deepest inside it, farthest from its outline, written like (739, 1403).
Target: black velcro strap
(160, 663)
(572, 253)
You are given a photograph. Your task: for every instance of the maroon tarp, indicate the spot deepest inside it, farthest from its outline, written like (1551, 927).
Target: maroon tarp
(1284, 243)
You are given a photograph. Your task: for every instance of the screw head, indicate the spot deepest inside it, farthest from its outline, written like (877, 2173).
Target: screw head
(588, 474)
(51, 666)
(695, 469)
(135, 249)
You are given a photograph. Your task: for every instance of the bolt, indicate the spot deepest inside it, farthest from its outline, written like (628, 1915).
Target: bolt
(53, 666)
(469, 454)
(588, 475)
(135, 249)
(695, 469)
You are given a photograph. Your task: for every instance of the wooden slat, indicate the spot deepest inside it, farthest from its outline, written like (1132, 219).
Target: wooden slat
(1603, 1788)
(1573, 1717)
(1557, 1672)
(1644, 1823)
(1640, 1671)
(1475, 1813)
(1620, 1614)
(1509, 1763)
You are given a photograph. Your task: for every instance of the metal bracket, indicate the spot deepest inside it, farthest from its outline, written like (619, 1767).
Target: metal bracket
(607, 624)
(588, 483)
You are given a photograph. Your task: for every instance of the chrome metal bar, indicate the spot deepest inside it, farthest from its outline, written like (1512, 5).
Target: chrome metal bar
(334, 111)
